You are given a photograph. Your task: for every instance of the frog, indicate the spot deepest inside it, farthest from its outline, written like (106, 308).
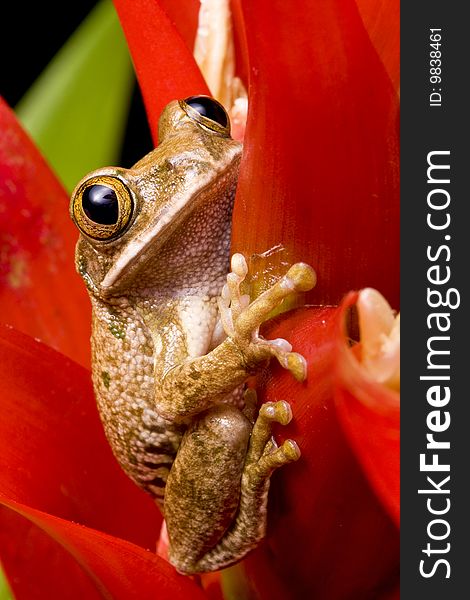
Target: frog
(175, 339)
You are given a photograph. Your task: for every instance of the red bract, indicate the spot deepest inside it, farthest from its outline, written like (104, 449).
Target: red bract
(163, 61)
(382, 22)
(57, 470)
(319, 183)
(370, 413)
(322, 100)
(329, 536)
(320, 163)
(114, 568)
(40, 293)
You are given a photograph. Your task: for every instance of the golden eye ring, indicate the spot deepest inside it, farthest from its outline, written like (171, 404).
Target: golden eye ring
(102, 207)
(208, 112)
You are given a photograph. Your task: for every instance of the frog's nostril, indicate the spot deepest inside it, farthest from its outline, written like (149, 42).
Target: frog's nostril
(100, 204)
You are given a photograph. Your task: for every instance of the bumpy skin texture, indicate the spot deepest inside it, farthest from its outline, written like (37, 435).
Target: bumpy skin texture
(166, 381)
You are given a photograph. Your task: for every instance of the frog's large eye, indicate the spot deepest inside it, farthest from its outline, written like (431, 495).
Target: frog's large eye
(208, 112)
(102, 207)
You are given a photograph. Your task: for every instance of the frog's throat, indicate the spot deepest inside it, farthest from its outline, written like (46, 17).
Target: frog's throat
(154, 237)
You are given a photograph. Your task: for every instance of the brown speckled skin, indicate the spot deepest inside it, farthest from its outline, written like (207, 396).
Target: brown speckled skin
(156, 373)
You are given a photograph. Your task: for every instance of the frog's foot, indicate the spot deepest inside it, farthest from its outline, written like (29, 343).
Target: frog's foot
(241, 319)
(263, 454)
(263, 448)
(262, 458)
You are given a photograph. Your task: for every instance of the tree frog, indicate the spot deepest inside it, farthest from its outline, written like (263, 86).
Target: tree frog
(174, 339)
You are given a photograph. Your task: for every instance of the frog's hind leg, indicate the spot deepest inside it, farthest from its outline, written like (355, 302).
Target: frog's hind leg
(202, 491)
(244, 521)
(263, 457)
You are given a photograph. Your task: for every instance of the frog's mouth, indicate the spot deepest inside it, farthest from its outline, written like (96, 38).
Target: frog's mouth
(169, 220)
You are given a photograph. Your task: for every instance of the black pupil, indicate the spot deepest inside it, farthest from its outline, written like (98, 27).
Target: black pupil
(208, 107)
(100, 204)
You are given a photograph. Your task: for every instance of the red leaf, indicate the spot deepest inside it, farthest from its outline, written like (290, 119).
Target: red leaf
(55, 462)
(116, 568)
(164, 65)
(320, 163)
(242, 65)
(329, 536)
(53, 453)
(184, 16)
(382, 21)
(370, 414)
(37, 566)
(40, 293)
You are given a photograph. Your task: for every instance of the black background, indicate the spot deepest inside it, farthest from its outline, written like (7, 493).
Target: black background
(424, 129)
(30, 35)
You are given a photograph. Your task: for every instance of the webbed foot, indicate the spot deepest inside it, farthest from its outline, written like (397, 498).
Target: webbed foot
(241, 319)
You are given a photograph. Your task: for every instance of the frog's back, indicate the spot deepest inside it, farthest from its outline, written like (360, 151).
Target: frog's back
(144, 443)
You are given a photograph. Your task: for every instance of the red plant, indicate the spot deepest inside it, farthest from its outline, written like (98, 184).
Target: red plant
(318, 183)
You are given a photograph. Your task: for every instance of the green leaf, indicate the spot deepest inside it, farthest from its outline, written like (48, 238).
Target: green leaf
(76, 110)
(5, 593)
(234, 584)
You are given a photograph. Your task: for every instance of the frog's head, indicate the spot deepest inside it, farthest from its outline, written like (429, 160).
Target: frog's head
(172, 208)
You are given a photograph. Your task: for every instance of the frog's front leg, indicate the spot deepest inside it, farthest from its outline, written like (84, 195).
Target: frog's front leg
(192, 386)
(216, 493)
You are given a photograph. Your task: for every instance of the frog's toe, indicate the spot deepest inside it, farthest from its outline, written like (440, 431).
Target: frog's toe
(262, 443)
(239, 266)
(302, 276)
(280, 412)
(241, 319)
(282, 350)
(277, 457)
(297, 365)
(232, 302)
(290, 451)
